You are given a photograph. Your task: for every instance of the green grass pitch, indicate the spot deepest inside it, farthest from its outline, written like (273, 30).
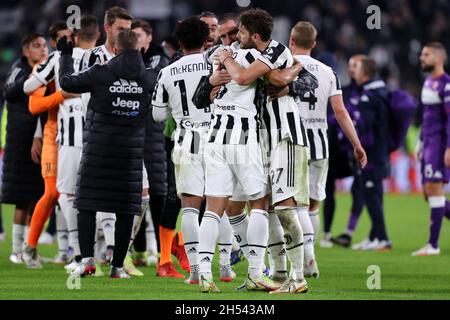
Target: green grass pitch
(343, 271)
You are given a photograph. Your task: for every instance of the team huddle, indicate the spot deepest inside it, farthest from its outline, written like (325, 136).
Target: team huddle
(247, 158)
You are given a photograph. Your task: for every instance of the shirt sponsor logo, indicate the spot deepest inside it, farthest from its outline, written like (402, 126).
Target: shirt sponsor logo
(131, 104)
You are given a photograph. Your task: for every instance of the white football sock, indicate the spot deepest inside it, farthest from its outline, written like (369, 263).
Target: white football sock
(239, 224)
(315, 221)
(308, 233)
(257, 237)
(62, 234)
(70, 214)
(150, 235)
(209, 231)
(26, 232)
(191, 230)
(137, 220)
(225, 240)
(100, 245)
(18, 238)
(108, 222)
(294, 239)
(276, 246)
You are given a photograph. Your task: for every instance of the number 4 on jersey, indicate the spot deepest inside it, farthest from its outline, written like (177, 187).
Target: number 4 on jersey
(311, 99)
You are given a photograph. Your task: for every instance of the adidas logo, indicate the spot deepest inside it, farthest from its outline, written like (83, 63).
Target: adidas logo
(107, 226)
(280, 191)
(206, 259)
(252, 253)
(223, 251)
(282, 252)
(125, 86)
(192, 250)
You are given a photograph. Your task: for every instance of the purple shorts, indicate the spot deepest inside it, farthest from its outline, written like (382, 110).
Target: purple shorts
(432, 163)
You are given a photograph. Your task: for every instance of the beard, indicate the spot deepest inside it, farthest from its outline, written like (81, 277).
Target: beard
(427, 68)
(250, 44)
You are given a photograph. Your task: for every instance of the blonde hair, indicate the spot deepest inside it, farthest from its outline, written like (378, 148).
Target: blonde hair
(304, 35)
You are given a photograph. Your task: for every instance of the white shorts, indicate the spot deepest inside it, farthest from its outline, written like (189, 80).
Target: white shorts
(238, 194)
(144, 177)
(318, 171)
(229, 165)
(289, 173)
(189, 172)
(69, 159)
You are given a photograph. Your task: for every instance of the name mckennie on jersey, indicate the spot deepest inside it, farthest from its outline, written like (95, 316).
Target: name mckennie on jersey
(175, 89)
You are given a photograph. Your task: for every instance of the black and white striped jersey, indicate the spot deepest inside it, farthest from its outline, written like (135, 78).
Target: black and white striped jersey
(281, 116)
(71, 111)
(235, 115)
(98, 55)
(313, 106)
(175, 89)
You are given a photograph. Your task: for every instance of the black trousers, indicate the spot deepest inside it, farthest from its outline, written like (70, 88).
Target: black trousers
(329, 205)
(122, 235)
(372, 191)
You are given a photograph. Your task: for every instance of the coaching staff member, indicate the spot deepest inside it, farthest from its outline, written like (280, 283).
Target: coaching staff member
(110, 174)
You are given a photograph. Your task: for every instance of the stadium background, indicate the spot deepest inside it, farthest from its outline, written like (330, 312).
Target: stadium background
(406, 26)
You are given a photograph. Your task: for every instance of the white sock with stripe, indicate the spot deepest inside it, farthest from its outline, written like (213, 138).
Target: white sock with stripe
(108, 222)
(239, 224)
(294, 239)
(257, 236)
(276, 246)
(191, 230)
(224, 241)
(308, 232)
(209, 231)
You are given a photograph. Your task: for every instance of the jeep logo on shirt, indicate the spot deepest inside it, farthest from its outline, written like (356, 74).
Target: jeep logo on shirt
(125, 86)
(132, 104)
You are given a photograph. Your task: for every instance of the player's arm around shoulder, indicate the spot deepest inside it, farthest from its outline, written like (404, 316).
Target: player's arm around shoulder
(241, 75)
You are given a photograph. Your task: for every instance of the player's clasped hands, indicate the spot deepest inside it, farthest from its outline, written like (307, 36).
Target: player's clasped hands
(219, 78)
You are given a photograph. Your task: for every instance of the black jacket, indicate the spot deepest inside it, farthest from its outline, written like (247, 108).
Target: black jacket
(154, 149)
(110, 175)
(373, 129)
(21, 181)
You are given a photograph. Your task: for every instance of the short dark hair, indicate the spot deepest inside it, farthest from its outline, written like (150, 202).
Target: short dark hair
(29, 38)
(116, 13)
(173, 41)
(126, 40)
(55, 28)
(208, 14)
(192, 33)
(142, 24)
(88, 28)
(369, 67)
(304, 34)
(257, 21)
(227, 17)
(437, 46)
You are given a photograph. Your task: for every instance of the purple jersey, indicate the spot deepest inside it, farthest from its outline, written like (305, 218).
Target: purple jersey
(436, 128)
(436, 102)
